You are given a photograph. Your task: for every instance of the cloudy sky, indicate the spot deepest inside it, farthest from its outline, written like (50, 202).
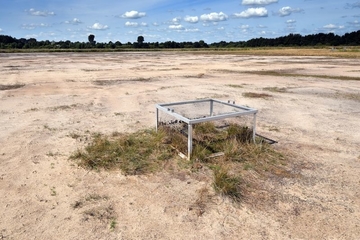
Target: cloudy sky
(175, 20)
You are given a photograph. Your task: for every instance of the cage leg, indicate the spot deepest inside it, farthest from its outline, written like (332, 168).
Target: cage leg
(190, 145)
(254, 127)
(157, 119)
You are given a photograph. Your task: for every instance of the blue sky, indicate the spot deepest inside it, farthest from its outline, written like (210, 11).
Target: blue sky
(171, 20)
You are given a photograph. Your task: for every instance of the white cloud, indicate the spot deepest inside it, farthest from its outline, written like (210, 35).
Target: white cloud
(214, 17)
(191, 19)
(333, 26)
(258, 2)
(131, 24)
(33, 26)
(75, 21)
(33, 12)
(1, 30)
(176, 27)
(143, 24)
(192, 30)
(134, 14)
(252, 13)
(244, 26)
(31, 36)
(290, 21)
(286, 11)
(176, 20)
(99, 26)
(330, 26)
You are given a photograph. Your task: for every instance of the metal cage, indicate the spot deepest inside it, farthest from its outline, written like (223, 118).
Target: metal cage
(204, 110)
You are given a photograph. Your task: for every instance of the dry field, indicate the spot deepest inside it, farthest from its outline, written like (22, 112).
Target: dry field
(51, 102)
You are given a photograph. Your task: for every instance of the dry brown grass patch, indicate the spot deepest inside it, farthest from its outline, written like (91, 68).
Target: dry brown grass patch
(256, 95)
(10, 86)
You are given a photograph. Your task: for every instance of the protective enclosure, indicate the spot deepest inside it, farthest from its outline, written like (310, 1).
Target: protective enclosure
(183, 115)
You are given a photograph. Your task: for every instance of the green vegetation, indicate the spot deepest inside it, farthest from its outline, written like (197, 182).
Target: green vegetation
(113, 224)
(53, 191)
(230, 152)
(226, 184)
(291, 40)
(136, 153)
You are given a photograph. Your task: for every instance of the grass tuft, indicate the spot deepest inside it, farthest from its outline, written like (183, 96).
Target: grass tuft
(276, 89)
(217, 148)
(226, 184)
(10, 86)
(137, 153)
(256, 95)
(281, 73)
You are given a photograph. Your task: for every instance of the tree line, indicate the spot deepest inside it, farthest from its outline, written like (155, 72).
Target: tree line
(291, 40)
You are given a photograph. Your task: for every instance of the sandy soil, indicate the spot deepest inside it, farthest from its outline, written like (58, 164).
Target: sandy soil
(44, 195)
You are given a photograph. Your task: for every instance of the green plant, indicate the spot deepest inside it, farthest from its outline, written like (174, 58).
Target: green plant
(113, 223)
(226, 184)
(134, 153)
(53, 191)
(219, 148)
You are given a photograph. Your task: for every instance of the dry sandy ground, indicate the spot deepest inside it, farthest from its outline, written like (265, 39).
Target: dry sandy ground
(44, 195)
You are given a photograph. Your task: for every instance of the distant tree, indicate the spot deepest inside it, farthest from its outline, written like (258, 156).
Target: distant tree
(140, 39)
(91, 38)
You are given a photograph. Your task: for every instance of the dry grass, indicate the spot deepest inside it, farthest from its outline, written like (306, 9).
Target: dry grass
(10, 86)
(136, 153)
(276, 89)
(288, 74)
(149, 151)
(119, 81)
(349, 52)
(256, 95)
(235, 86)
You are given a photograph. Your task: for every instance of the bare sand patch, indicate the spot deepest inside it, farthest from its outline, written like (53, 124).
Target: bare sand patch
(46, 196)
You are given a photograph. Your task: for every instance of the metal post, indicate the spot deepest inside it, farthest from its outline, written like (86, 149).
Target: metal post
(254, 127)
(190, 146)
(211, 107)
(157, 119)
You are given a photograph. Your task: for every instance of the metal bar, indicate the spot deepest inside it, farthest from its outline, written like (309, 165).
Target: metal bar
(219, 117)
(190, 139)
(232, 105)
(184, 102)
(254, 127)
(204, 100)
(211, 107)
(157, 119)
(174, 114)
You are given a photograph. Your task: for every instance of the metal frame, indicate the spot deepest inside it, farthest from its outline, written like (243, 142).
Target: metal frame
(167, 108)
